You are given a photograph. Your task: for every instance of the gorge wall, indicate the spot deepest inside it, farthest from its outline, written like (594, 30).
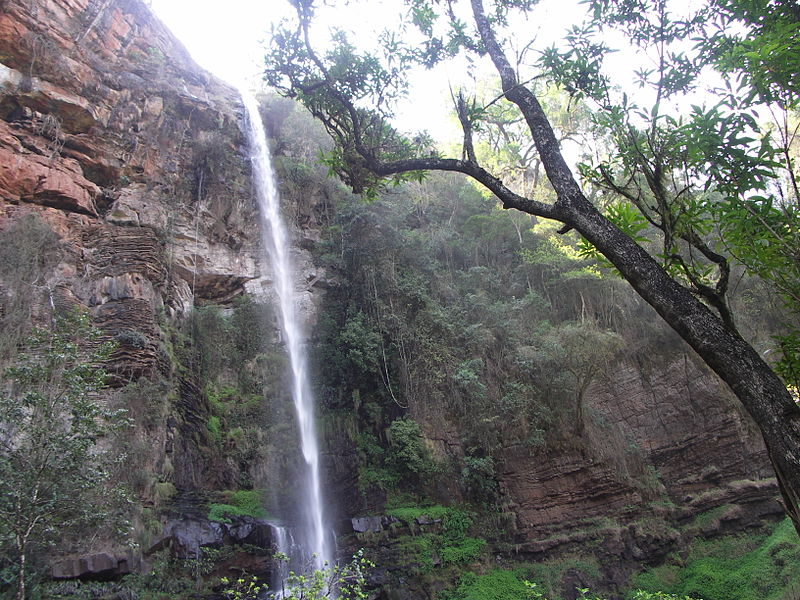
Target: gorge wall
(126, 161)
(129, 160)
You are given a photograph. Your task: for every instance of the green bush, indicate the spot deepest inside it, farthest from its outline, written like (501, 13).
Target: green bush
(408, 455)
(408, 514)
(462, 552)
(478, 478)
(642, 595)
(214, 427)
(740, 567)
(501, 584)
(416, 552)
(248, 503)
(498, 584)
(451, 543)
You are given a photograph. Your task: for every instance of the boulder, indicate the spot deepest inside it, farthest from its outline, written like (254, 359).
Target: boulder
(185, 536)
(367, 524)
(102, 565)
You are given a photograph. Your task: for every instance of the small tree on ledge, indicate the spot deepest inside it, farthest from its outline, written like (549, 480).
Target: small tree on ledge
(54, 468)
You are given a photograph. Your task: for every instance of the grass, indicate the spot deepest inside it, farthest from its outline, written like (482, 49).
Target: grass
(738, 567)
(409, 514)
(248, 503)
(497, 584)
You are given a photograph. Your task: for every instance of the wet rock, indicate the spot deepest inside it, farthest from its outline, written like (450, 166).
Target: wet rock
(367, 524)
(93, 566)
(186, 536)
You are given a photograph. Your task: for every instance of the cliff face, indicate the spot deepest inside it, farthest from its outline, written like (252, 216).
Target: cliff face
(134, 159)
(674, 431)
(125, 152)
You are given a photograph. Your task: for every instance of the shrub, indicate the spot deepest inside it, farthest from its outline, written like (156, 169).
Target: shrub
(215, 429)
(478, 478)
(498, 584)
(408, 455)
(738, 567)
(248, 503)
(464, 551)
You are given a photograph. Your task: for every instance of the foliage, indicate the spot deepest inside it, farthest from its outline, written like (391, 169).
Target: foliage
(572, 356)
(347, 582)
(169, 578)
(501, 584)
(246, 587)
(739, 567)
(446, 535)
(221, 340)
(463, 551)
(54, 462)
(549, 574)
(408, 514)
(478, 478)
(717, 184)
(407, 453)
(239, 503)
(232, 353)
(213, 426)
(761, 51)
(497, 584)
(642, 595)
(481, 345)
(29, 248)
(669, 184)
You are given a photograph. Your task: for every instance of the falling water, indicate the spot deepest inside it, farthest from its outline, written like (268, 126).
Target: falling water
(273, 230)
(284, 545)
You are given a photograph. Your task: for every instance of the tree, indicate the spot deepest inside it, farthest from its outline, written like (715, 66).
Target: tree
(346, 581)
(583, 352)
(351, 93)
(53, 463)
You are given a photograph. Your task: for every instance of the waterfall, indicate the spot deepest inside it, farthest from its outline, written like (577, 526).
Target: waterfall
(312, 536)
(284, 545)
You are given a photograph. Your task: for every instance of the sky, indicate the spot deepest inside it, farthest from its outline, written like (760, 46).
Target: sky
(226, 38)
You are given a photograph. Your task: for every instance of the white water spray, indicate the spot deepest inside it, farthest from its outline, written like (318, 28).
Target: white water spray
(314, 533)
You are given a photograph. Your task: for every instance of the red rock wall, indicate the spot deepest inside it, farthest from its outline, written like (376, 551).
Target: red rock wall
(105, 125)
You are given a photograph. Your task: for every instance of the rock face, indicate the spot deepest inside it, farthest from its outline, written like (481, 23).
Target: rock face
(665, 458)
(678, 424)
(101, 565)
(134, 158)
(186, 536)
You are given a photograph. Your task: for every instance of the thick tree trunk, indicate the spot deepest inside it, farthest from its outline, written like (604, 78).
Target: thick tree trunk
(760, 390)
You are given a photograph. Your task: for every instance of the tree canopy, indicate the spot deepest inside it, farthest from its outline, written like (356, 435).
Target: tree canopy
(675, 203)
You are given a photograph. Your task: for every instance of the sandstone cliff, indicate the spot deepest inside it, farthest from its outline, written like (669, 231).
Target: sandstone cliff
(130, 162)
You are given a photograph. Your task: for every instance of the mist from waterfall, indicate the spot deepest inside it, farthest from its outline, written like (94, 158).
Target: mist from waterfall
(313, 534)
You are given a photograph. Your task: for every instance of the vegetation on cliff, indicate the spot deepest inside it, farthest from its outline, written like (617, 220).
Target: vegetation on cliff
(442, 341)
(461, 348)
(55, 465)
(689, 195)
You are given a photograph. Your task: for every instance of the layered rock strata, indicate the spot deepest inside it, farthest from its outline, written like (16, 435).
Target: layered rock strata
(133, 159)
